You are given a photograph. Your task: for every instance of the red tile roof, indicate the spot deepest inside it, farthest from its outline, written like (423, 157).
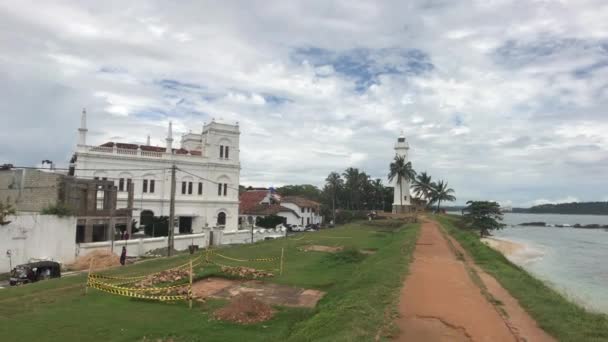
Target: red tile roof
(250, 199)
(300, 201)
(267, 209)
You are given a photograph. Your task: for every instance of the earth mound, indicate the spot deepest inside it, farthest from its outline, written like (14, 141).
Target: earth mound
(245, 309)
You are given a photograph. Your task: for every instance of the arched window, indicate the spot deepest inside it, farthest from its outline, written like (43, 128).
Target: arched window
(221, 219)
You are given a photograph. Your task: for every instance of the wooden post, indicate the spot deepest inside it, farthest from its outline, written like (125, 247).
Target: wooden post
(281, 267)
(86, 288)
(190, 290)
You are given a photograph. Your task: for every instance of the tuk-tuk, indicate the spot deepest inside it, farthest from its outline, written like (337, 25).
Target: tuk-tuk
(34, 271)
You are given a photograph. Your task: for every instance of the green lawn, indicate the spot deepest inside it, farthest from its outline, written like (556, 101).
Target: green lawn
(554, 313)
(360, 296)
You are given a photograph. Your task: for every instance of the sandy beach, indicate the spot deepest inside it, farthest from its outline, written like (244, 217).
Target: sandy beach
(508, 248)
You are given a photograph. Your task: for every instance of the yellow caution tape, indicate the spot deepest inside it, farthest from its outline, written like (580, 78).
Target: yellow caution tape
(138, 289)
(97, 275)
(245, 260)
(137, 295)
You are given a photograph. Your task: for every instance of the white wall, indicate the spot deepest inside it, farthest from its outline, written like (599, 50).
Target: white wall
(37, 236)
(307, 214)
(139, 247)
(244, 236)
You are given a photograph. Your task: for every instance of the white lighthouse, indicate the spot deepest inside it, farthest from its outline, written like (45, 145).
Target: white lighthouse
(399, 206)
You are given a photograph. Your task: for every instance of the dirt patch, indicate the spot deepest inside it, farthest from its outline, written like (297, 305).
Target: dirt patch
(269, 293)
(319, 248)
(368, 251)
(245, 309)
(211, 286)
(168, 276)
(101, 260)
(246, 272)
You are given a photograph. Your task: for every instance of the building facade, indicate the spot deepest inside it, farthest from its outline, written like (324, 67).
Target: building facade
(401, 188)
(207, 176)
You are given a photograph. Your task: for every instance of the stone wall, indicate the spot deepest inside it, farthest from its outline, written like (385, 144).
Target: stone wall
(29, 190)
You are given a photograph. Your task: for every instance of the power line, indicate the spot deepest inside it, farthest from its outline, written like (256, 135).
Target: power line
(30, 187)
(79, 169)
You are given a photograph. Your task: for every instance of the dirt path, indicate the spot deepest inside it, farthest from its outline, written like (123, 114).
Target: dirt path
(441, 302)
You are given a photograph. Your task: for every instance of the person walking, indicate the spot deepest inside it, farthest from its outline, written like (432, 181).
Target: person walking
(123, 255)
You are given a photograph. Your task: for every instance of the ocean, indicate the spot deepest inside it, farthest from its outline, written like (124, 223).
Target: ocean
(571, 260)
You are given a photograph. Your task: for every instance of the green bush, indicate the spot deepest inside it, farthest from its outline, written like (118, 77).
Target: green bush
(269, 221)
(346, 216)
(58, 209)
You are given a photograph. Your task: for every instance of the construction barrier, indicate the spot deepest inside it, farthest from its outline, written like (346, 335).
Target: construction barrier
(131, 294)
(112, 284)
(138, 289)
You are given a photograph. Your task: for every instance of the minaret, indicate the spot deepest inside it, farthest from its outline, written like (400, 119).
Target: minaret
(148, 140)
(401, 149)
(82, 140)
(169, 139)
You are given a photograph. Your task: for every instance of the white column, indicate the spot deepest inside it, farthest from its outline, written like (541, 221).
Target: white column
(82, 141)
(170, 139)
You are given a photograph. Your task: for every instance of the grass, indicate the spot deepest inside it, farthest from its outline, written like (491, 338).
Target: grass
(563, 319)
(360, 289)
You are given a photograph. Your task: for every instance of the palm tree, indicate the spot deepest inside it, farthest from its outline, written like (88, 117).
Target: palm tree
(334, 182)
(423, 186)
(441, 192)
(352, 184)
(403, 171)
(378, 190)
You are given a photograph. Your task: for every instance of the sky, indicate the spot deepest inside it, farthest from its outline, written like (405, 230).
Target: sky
(504, 100)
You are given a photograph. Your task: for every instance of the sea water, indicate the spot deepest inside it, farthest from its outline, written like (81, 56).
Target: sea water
(572, 260)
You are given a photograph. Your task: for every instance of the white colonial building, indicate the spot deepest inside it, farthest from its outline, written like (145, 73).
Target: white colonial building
(294, 210)
(403, 189)
(207, 177)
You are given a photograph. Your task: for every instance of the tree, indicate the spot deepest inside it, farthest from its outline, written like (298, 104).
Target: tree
(378, 194)
(305, 190)
(334, 183)
(403, 171)
(483, 215)
(352, 185)
(423, 186)
(6, 210)
(441, 192)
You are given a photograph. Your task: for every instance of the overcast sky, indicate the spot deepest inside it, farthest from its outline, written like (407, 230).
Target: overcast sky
(506, 100)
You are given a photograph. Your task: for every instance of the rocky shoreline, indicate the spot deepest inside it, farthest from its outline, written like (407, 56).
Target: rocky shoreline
(577, 225)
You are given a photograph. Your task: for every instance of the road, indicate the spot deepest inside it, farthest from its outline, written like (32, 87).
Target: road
(442, 298)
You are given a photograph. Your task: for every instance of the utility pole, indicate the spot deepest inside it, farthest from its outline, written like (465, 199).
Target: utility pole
(171, 211)
(112, 202)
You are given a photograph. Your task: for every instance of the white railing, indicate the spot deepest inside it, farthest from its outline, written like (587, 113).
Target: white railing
(126, 151)
(100, 149)
(152, 154)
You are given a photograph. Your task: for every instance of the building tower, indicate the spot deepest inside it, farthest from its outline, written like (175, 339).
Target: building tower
(82, 140)
(169, 139)
(401, 149)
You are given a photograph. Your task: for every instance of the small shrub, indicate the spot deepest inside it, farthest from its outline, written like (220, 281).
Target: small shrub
(347, 256)
(58, 209)
(384, 223)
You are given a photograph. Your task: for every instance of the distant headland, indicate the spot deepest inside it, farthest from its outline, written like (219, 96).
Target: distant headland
(574, 208)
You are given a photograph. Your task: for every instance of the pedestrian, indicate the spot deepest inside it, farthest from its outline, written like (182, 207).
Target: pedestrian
(123, 255)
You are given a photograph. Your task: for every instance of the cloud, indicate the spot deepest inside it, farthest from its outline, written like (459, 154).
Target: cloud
(502, 101)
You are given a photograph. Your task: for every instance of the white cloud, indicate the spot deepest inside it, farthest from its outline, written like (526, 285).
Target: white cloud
(502, 101)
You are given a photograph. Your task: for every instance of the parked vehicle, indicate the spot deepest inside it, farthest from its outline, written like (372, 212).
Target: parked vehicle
(313, 227)
(34, 271)
(297, 228)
